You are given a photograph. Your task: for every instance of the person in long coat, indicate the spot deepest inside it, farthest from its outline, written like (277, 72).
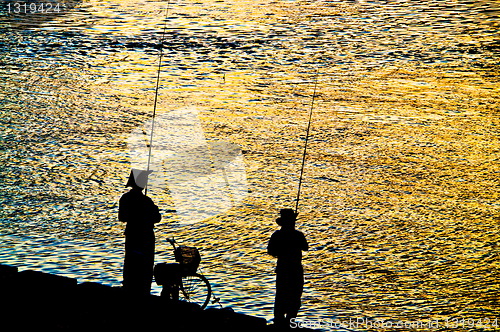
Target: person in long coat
(287, 245)
(140, 214)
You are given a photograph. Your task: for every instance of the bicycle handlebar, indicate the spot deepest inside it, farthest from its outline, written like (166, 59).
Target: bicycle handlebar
(172, 242)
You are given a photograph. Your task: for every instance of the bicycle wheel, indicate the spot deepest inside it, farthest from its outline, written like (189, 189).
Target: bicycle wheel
(195, 288)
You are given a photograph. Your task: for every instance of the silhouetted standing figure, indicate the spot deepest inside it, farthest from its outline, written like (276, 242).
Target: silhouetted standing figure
(287, 245)
(140, 214)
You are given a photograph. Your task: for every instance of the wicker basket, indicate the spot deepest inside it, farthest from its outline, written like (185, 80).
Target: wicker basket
(188, 257)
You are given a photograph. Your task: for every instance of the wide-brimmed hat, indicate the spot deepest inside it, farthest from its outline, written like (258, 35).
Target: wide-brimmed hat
(138, 178)
(286, 215)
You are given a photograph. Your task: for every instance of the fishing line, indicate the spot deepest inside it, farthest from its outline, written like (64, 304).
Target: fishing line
(157, 89)
(307, 139)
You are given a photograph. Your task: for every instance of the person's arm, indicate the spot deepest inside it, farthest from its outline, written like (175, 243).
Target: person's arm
(123, 210)
(156, 214)
(153, 212)
(271, 246)
(305, 245)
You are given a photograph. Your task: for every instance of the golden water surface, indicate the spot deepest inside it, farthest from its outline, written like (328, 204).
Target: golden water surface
(400, 194)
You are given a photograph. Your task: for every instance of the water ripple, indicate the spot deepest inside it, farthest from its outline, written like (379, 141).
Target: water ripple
(399, 198)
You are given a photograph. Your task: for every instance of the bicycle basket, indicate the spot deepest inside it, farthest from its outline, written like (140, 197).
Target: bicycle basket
(188, 257)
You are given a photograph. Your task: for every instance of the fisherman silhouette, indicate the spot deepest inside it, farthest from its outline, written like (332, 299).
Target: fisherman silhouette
(140, 214)
(287, 245)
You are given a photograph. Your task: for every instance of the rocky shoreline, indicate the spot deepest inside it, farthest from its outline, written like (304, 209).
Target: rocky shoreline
(37, 300)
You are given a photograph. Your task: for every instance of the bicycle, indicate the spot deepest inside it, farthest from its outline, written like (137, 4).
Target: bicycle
(180, 281)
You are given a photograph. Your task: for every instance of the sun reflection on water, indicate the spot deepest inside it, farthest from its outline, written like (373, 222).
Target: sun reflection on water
(400, 199)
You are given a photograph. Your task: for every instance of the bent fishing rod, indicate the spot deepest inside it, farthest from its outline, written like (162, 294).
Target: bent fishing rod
(150, 145)
(305, 144)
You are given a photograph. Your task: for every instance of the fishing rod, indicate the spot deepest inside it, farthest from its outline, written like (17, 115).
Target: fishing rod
(305, 145)
(157, 89)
